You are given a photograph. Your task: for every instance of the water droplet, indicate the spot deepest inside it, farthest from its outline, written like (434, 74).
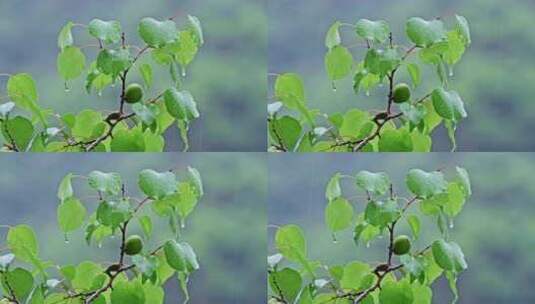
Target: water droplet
(381, 237)
(183, 72)
(368, 93)
(335, 240)
(112, 236)
(450, 73)
(67, 89)
(99, 93)
(113, 85)
(381, 85)
(451, 224)
(66, 239)
(368, 244)
(182, 225)
(334, 87)
(99, 245)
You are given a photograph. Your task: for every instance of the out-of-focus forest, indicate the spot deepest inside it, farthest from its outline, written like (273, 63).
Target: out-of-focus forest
(227, 229)
(495, 78)
(228, 77)
(496, 228)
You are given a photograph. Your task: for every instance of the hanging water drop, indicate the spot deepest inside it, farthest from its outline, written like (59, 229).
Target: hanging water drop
(112, 236)
(368, 93)
(99, 245)
(183, 73)
(113, 85)
(67, 89)
(451, 224)
(368, 244)
(333, 84)
(183, 225)
(99, 93)
(335, 240)
(450, 73)
(66, 239)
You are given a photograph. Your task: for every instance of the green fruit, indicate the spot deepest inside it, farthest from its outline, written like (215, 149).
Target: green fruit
(402, 245)
(402, 93)
(134, 93)
(133, 245)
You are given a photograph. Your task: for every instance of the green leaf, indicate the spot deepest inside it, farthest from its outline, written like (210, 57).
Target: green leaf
(71, 214)
(414, 113)
(357, 124)
(184, 201)
(365, 232)
(286, 131)
(395, 141)
(113, 62)
(338, 214)
(290, 242)
(153, 294)
(146, 73)
(109, 183)
(286, 283)
(86, 123)
(290, 90)
(19, 131)
(85, 274)
(181, 105)
(71, 63)
(354, 276)
(22, 90)
(415, 225)
(396, 293)
(464, 180)
(96, 79)
(425, 184)
(333, 38)
(381, 214)
(157, 33)
(449, 256)
(376, 183)
(448, 105)
(422, 294)
(381, 62)
(113, 214)
(21, 240)
(416, 75)
(127, 292)
(194, 177)
(186, 49)
(452, 282)
(333, 190)
(146, 112)
(194, 24)
(377, 31)
(65, 38)
(424, 33)
(456, 200)
(107, 31)
(157, 185)
(146, 225)
(463, 28)
(180, 256)
(65, 187)
(153, 142)
(338, 62)
(456, 48)
(128, 141)
(20, 281)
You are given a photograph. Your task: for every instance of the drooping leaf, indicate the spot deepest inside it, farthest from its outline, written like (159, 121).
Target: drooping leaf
(71, 63)
(333, 38)
(181, 105)
(424, 33)
(290, 242)
(449, 256)
(157, 185)
(286, 282)
(110, 183)
(449, 105)
(157, 33)
(376, 183)
(338, 214)
(106, 31)
(290, 90)
(425, 184)
(21, 240)
(338, 62)
(376, 31)
(65, 38)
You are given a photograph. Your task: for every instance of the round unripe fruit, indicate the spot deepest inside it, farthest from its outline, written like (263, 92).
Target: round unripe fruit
(402, 245)
(133, 93)
(133, 245)
(402, 93)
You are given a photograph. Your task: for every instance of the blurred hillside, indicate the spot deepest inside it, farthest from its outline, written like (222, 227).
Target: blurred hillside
(495, 77)
(496, 228)
(232, 258)
(227, 78)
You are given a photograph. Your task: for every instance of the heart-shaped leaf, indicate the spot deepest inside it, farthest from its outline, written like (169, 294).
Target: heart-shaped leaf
(105, 182)
(71, 63)
(333, 38)
(381, 62)
(195, 27)
(287, 281)
(21, 240)
(65, 36)
(157, 33)
(338, 214)
(377, 183)
(377, 31)
(107, 31)
(113, 62)
(381, 214)
(463, 28)
(424, 33)
(71, 214)
(128, 292)
(290, 242)
(181, 105)
(449, 256)
(426, 184)
(448, 105)
(157, 185)
(338, 62)
(290, 90)
(396, 141)
(147, 113)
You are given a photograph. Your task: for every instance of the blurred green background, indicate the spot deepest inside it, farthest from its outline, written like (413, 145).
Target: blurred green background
(228, 77)
(496, 228)
(227, 229)
(495, 78)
